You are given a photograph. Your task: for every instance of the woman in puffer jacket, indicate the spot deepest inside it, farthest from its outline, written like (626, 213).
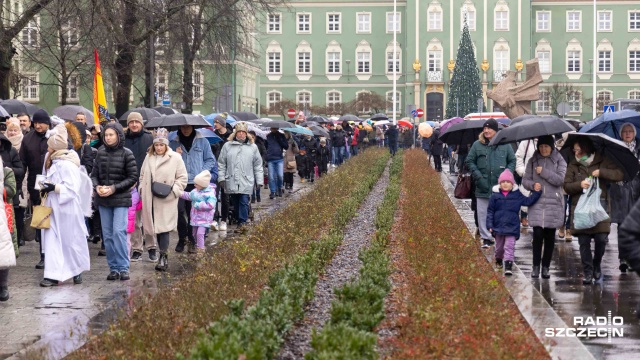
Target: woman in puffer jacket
(545, 171)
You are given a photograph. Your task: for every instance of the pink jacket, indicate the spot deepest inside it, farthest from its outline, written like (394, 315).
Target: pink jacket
(136, 205)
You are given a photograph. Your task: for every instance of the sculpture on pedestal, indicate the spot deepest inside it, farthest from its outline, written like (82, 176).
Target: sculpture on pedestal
(514, 99)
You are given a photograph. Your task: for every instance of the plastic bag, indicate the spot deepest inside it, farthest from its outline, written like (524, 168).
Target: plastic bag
(589, 211)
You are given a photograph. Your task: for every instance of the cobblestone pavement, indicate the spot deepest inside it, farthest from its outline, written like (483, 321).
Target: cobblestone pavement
(564, 298)
(59, 318)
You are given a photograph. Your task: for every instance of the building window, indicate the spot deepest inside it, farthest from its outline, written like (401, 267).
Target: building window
(501, 20)
(543, 21)
(634, 95)
(501, 60)
(364, 23)
(30, 33)
(304, 23)
(273, 98)
(70, 33)
(333, 23)
(161, 83)
(304, 62)
(604, 61)
(604, 20)
(161, 39)
(30, 87)
(634, 21)
(435, 20)
(471, 18)
(364, 62)
(634, 61)
(575, 101)
(333, 63)
(274, 62)
(391, 62)
(543, 103)
(391, 100)
(304, 99)
(605, 96)
(573, 61)
(393, 22)
(333, 99)
(274, 24)
(544, 61)
(573, 21)
(362, 98)
(435, 60)
(72, 88)
(198, 85)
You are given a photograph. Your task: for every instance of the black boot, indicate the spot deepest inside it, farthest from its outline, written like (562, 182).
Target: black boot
(163, 263)
(40, 265)
(180, 245)
(597, 273)
(535, 273)
(545, 272)
(507, 268)
(4, 293)
(588, 278)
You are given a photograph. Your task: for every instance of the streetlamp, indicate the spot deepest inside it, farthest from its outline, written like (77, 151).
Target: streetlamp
(348, 63)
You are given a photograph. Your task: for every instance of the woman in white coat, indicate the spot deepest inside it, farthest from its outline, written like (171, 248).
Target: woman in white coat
(69, 191)
(7, 251)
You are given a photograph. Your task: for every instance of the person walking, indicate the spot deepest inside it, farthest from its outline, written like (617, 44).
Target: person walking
(159, 216)
(11, 159)
(67, 189)
(545, 172)
(20, 201)
(8, 250)
(290, 164)
(197, 157)
(114, 173)
(436, 150)
(239, 167)
(310, 144)
(223, 130)
(323, 156)
(587, 165)
(276, 144)
(524, 153)
(486, 163)
(354, 141)
(262, 149)
(392, 139)
(503, 218)
(203, 199)
(338, 144)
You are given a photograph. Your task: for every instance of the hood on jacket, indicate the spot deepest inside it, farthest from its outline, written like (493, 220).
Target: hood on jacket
(5, 143)
(482, 139)
(496, 188)
(635, 131)
(119, 130)
(249, 136)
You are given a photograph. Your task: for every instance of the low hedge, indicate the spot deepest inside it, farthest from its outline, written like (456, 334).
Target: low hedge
(359, 304)
(172, 321)
(457, 305)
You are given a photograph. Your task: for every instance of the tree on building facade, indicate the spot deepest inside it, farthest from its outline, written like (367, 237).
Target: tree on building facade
(368, 103)
(465, 88)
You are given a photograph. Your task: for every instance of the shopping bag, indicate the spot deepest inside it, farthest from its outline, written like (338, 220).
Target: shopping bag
(589, 211)
(463, 187)
(41, 217)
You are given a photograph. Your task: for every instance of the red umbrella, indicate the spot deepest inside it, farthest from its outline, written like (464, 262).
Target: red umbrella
(405, 123)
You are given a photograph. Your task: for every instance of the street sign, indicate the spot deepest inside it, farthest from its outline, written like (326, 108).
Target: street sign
(291, 113)
(420, 113)
(562, 109)
(609, 108)
(166, 100)
(414, 113)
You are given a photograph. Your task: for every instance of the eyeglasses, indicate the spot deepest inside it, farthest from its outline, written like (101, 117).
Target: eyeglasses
(575, 150)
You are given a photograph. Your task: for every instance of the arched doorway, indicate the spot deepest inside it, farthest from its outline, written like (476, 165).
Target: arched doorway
(435, 106)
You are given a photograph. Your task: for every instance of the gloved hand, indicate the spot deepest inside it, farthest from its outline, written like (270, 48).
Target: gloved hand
(221, 184)
(47, 188)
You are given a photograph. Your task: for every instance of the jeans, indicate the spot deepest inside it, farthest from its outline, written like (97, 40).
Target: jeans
(184, 217)
(393, 148)
(482, 205)
(354, 150)
(276, 174)
(241, 207)
(114, 230)
(333, 156)
(589, 262)
(547, 237)
(339, 151)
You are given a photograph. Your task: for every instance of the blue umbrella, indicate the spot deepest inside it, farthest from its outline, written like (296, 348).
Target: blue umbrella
(210, 117)
(611, 122)
(208, 134)
(299, 130)
(431, 123)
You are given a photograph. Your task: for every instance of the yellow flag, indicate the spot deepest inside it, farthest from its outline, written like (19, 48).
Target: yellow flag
(100, 112)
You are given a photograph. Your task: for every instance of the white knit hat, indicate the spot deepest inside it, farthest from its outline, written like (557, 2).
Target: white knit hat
(162, 136)
(58, 138)
(203, 179)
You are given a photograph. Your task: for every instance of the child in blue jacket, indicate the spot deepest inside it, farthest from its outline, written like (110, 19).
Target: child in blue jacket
(503, 217)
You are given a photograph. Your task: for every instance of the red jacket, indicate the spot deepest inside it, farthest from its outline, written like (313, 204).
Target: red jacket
(354, 139)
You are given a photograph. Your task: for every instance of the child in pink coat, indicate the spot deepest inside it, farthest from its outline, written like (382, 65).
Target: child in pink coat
(136, 205)
(203, 204)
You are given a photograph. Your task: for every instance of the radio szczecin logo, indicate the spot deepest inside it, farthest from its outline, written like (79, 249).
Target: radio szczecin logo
(590, 327)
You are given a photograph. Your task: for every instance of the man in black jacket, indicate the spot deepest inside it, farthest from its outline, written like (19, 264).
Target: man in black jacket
(276, 144)
(138, 140)
(32, 152)
(392, 138)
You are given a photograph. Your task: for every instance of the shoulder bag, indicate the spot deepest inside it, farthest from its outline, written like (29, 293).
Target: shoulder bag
(160, 190)
(41, 215)
(463, 186)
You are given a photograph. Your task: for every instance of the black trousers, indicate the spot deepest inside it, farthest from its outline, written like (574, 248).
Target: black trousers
(543, 237)
(588, 261)
(35, 200)
(437, 162)
(223, 198)
(19, 214)
(288, 180)
(184, 216)
(163, 241)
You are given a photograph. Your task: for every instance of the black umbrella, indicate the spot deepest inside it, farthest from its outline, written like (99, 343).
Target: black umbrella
(278, 124)
(163, 110)
(523, 117)
(69, 112)
(318, 119)
(174, 120)
(349, 117)
(464, 133)
(14, 106)
(319, 131)
(244, 115)
(379, 116)
(613, 149)
(147, 114)
(531, 128)
(309, 123)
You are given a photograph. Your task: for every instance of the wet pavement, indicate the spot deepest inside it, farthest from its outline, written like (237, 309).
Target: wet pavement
(60, 319)
(562, 300)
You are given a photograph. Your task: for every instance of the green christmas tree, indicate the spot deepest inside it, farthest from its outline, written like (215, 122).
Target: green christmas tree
(465, 89)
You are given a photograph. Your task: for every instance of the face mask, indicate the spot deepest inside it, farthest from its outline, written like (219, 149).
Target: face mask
(93, 142)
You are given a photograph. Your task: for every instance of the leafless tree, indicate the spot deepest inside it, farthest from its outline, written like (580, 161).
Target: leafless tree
(368, 103)
(559, 92)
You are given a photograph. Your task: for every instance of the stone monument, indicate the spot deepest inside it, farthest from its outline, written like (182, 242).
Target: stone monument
(514, 99)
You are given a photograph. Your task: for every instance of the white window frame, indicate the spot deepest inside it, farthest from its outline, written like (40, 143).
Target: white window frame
(574, 46)
(72, 83)
(434, 17)
(34, 79)
(398, 24)
(198, 75)
(363, 47)
(574, 61)
(633, 94)
(605, 61)
(274, 47)
(307, 101)
(633, 62)
(366, 25)
(604, 96)
(546, 20)
(274, 27)
(471, 19)
(434, 60)
(334, 23)
(389, 98)
(70, 30)
(333, 47)
(333, 102)
(277, 62)
(500, 23)
(362, 111)
(299, 22)
(303, 62)
(634, 46)
(334, 62)
(31, 30)
(605, 20)
(304, 48)
(543, 104)
(634, 18)
(272, 103)
(572, 102)
(573, 24)
(162, 82)
(389, 58)
(363, 57)
(544, 48)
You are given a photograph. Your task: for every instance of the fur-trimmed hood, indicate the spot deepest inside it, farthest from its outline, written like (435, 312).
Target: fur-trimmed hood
(232, 137)
(496, 188)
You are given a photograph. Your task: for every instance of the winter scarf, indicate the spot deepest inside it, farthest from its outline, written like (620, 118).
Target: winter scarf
(187, 141)
(586, 160)
(68, 155)
(16, 141)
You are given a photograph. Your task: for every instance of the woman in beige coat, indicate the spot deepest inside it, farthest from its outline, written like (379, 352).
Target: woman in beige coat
(160, 215)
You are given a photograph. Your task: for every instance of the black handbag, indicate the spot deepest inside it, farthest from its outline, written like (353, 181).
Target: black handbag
(159, 189)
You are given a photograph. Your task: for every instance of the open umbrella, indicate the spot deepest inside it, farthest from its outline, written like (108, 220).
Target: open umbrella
(319, 131)
(69, 112)
(405, 123)
(211, 118)
(308, 123)
(504, 121)
(299, 130)
(464, 133)
(196, 121)
(14, 106)
(531, 128)
(523, 117)
(244, 115)
(379, 116)
(613, 149)
(277, 124)
(206, 133)
(382, 122)
(610, 123)
(147, 114)
(165, 110)
(450, 122)
(4, 112)
(318, 119)
(348, 117)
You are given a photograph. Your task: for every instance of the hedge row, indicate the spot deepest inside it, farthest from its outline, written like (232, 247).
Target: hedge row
(359, 304)
(258, 332)
(172, 321)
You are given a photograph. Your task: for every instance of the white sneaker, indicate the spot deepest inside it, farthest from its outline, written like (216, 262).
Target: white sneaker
(214, 225)
(222, 226)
